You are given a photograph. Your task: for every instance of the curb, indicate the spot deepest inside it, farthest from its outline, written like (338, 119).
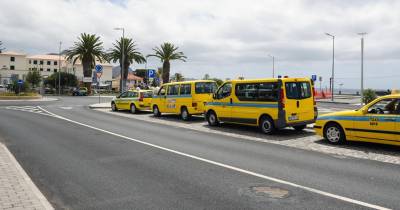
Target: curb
(332, 102)
(43, 200)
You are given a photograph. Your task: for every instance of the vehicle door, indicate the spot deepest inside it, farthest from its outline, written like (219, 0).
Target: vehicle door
(245, 108)
(222, 104)
(299, 103)
(378, 122)
(121, 100)
(132, 98)
(185, 96)
(160, 98)
(172, 99)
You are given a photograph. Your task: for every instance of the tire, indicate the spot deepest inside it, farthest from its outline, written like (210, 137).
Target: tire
(299, 127)
(334, 133)
(156, 111)
(212, 118)
(114, 107)
(267, 125)
(133, 109)
(185, 114)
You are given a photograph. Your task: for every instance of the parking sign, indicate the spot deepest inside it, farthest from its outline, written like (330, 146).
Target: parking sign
(152, 73)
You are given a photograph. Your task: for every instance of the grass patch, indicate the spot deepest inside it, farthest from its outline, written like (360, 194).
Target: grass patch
(21, 94)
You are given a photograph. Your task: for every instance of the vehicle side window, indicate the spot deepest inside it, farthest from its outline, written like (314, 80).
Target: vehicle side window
(384, 106)
(186, 89)
(257, 92)
(162, 91)
(205, 87)
(398, 107)
(173, 90)
(132, 94)
(147, 94)
(224, 91)
(123, 95)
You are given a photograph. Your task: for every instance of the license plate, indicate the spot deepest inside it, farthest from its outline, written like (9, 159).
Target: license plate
(293, 117)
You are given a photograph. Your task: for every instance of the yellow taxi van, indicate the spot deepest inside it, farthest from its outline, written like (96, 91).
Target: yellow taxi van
(183, 98)
(133, 100)
(270, 104)
(377, 122)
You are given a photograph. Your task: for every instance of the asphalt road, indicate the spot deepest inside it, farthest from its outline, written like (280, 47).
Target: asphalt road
(92, 160)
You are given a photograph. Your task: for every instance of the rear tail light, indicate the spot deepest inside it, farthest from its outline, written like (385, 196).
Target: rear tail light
(141, 97)
(282, 98)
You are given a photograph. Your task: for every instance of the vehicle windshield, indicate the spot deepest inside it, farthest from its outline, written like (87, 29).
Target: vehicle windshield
(205, 87)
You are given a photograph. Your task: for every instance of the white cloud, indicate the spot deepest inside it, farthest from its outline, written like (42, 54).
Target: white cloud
(224, 38)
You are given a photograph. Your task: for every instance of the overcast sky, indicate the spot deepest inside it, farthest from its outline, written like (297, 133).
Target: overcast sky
(225, 38)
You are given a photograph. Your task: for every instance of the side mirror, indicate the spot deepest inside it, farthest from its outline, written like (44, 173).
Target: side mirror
(214, 96)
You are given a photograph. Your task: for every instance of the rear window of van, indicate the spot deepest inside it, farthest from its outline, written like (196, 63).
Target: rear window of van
(298, 90)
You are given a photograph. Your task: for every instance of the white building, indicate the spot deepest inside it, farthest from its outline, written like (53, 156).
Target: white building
(14, 66)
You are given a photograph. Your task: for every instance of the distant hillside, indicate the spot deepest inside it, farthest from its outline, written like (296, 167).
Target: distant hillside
(116, 70)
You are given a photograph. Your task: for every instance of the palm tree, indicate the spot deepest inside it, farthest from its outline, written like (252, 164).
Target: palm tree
(166, 53)
(178, 77)
(131, 55)
(87, 49)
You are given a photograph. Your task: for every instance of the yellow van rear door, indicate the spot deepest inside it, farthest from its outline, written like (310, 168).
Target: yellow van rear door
(299, 102)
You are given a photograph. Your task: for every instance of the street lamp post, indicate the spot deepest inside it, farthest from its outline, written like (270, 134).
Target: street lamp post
(273, 65)
(59, 69)
(362, 65)
(121, 88)
(333, 64)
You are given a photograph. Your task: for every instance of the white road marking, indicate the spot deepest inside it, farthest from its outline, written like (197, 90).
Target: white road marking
(32, 109)
(327, 194)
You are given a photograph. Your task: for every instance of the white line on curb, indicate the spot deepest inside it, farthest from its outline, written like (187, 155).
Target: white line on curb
(327, 194)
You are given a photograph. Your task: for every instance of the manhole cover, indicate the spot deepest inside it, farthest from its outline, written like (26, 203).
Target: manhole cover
(272, 192)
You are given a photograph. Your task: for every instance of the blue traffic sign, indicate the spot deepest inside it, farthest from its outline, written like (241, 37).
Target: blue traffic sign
(20, 81)
(99, 68)
(152, 73)
(314, 77)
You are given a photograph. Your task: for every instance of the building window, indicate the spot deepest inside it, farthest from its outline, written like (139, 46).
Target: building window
(30, 61)
(41, 69)
(48, 69)
(55, 63)
(12, 67)
(30, 69)
(34, 61)
(48, 62)
(41, 62)
(55, 70)
(12, 58)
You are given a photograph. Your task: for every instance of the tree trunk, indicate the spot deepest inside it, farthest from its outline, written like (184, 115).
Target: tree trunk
(165, 74)
(87, 72)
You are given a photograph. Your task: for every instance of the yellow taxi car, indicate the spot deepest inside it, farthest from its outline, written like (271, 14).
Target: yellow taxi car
(378, 122)
(133, 100)
(271, 104)
(184, 98)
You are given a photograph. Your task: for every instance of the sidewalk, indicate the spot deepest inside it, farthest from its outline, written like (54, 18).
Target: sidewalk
(342, 99)
(100, 106)
(17, 191)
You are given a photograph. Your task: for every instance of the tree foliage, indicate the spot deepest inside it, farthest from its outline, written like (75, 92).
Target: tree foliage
(166, 53)
(34, 78)
(131, 55)
(1, 47)
(178, 77)
(368, 96)
(87, 49)
(66, 80)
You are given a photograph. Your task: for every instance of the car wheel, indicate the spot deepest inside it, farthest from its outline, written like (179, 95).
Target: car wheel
(299, 127)
(156, 111)
(114, 107)
(133, 109)
(212, 118)
(267, 125)
(334, 134)
(185, 114)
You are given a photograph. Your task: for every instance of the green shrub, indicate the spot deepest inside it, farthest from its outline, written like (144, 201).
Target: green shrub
(368, 96)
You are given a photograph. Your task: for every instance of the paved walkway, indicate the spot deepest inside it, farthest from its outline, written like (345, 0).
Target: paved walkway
(17, 191)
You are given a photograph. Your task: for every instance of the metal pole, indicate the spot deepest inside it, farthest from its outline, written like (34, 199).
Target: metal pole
(273, 67)
(333, 67)
(123, 59)
(59, 69)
